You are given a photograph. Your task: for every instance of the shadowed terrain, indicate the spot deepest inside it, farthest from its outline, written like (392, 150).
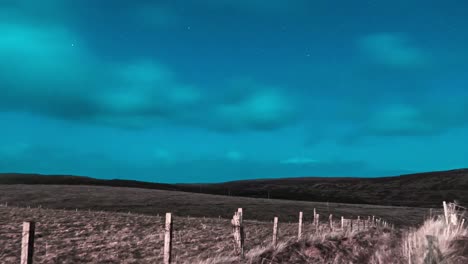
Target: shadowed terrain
(417, 190)
(154, 202)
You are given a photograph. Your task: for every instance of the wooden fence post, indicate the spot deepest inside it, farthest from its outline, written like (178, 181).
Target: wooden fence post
(445, 212)
(358, 223)
(275, 231)
(342, 223)
(168, 239)
(317, 222)
(242, 234)
(238, 232)
(241, 212)
(27, 243)
(331, 222)
(299, 230)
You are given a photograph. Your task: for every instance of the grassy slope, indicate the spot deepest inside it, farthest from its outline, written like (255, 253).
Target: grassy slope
(155, 202)
(83, 236)
(419, 190)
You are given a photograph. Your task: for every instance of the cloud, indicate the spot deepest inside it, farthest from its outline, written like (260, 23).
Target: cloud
(401, 120)
(48, 69)
(393, 50)
(234, 155)
(409, 120)
(41, 12)
(140, 93)
(41, 70)
(261, 110)
(163, 156)
(299, 161)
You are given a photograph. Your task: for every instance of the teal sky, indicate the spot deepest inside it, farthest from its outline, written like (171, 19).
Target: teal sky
(218, 90)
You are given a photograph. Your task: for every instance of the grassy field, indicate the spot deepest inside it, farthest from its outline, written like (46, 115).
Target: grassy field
(92, 224)
(154, 202)
(94, 237)
(414, 190)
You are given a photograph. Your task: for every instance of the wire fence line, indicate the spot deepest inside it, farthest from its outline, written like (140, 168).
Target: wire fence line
(77, 232)
(47, 227)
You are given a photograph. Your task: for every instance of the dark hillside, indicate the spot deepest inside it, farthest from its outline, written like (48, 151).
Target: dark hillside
(420, 190)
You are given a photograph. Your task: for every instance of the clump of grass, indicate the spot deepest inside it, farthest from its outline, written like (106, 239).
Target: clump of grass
(323, 246)
(438, 240)
(433, 242)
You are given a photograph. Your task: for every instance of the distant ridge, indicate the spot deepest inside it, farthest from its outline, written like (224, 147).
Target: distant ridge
(22, 178)
(420, 189)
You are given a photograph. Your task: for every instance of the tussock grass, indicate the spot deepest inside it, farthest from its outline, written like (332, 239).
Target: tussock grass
(432, 243)
(438, 242)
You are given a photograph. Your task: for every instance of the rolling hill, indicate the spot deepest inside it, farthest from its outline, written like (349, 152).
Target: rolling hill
(419, 190)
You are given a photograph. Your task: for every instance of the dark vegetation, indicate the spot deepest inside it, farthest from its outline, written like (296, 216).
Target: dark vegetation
(158, 202)
(418, 190)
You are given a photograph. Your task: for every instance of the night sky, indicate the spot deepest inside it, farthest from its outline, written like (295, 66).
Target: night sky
(218, 90)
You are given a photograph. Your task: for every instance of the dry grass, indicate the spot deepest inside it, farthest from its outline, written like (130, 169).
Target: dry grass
(102, 237)
(87, 236)
(438, 242)
(326, 247)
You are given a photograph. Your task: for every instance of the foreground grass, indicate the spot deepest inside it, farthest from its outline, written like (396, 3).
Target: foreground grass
(130, 230)
(103, 237)
(438, 240)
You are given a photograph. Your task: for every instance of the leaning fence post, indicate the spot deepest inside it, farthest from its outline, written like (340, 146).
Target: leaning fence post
(275, 230)
(27, 243)
(299, 230)
(168, 239)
